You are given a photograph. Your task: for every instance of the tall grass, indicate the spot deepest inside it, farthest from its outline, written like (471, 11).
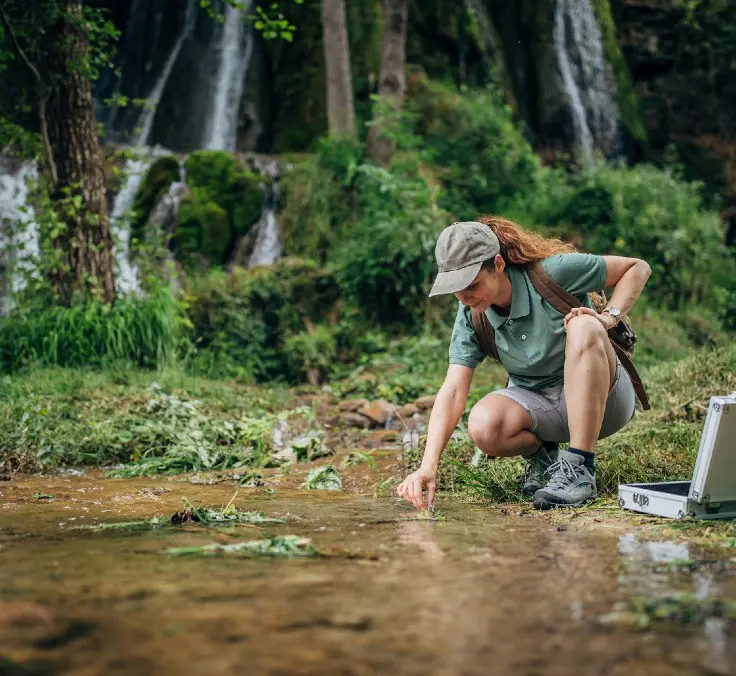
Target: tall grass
(142, 331)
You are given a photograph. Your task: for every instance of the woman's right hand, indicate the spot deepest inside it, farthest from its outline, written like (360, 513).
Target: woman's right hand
(412, 488)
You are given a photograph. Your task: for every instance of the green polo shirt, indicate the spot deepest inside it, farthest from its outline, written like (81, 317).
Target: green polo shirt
(531, 340)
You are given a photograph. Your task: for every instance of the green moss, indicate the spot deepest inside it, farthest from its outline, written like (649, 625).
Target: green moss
(202, 230)
(628, 101)
(162, 173)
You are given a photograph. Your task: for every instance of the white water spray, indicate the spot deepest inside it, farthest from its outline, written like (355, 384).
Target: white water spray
(19, 246)
(582, 63)
(236, 49)
(267, 248)
(145, 121)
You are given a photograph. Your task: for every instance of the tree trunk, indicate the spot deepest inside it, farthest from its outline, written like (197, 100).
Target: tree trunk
(392, 82)
(340, 111)
(84, 268)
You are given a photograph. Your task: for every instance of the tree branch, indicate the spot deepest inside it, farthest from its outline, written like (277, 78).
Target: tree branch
(40, 94)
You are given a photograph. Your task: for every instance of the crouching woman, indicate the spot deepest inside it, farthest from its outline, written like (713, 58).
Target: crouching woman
(566, 381)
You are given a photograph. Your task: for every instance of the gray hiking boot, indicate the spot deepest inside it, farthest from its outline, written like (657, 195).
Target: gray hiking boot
(570, 484)
(537, 466)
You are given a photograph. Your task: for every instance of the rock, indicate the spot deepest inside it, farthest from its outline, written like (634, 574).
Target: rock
(23, 613)
(355, 420)
(380, 437)
(352, 405)
(379, 411)
(425, 403)
(408, 410)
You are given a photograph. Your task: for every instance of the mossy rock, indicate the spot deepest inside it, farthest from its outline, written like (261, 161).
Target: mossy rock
(161, 174)
(202, 230)
(217, 177)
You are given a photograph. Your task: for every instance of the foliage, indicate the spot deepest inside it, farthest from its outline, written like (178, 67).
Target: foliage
(319, 203)
(647, 212)
(219, 515)
(483, 158)
(325, 478)
(285, 546)
(243, 319)
(145, 332)
(311, 350)
(225, 202)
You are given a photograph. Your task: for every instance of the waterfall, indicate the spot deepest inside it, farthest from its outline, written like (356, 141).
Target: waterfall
(145, 121)
(19, 246)
(267, 248)
(236, 48)
(135, 171)
(586, 79)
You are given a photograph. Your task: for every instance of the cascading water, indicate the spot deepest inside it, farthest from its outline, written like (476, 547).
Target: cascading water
(19, 245)
(136, 167)
(267, 248)
(145, 121)
(236, 48)
(586, 79)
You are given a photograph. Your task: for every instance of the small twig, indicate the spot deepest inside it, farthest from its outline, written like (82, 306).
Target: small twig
(231, 500)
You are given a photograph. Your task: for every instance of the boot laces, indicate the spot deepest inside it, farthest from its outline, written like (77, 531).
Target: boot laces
(562, 473)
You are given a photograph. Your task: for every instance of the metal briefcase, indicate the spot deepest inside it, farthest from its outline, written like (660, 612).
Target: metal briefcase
(712, 492)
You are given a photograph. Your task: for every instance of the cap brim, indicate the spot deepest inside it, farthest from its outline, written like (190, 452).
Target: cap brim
(455, 280)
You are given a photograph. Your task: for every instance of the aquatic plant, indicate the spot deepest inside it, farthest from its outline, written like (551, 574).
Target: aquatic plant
(359, 458)
(681, 608)
(214, 515)
(286, 546)
(325, 478)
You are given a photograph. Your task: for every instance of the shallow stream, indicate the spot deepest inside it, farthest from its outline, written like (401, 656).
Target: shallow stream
(480, 592)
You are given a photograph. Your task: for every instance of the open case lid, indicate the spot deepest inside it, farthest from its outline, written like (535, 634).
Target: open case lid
(714, 477)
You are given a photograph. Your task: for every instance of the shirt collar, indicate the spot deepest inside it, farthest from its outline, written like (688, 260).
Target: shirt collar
(519, 299)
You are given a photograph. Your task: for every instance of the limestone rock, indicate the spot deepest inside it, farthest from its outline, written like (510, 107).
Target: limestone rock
(355, 420)
(408, 410)
(425, 403)
(379, 411)
(352, 405)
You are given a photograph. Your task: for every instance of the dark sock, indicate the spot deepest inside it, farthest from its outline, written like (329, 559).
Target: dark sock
(588, 458)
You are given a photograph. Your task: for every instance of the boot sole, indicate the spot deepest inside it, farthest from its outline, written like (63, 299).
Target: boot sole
(562, 505)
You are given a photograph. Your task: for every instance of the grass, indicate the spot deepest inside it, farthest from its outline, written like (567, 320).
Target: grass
(679, 608)
(325, 478)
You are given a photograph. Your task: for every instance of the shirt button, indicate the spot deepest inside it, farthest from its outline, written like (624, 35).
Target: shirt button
(511, 321)
(523, 337)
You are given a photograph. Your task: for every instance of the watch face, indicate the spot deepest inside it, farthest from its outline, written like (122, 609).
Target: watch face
(615, 312)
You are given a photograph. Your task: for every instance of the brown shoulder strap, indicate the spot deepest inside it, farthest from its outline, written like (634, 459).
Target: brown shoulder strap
(563, 301)
(485, 334)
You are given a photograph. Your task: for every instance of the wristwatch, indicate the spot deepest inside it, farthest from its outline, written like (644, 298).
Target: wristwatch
(614, 312)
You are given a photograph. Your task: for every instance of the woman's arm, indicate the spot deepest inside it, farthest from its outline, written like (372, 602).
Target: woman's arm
(446, 412)
(628, 277)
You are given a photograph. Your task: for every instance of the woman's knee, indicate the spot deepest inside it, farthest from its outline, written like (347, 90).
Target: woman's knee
(584, 333)
(485, 427)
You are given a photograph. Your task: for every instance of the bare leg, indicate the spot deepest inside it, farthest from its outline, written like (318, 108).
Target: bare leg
(590, 367)
(500, 426)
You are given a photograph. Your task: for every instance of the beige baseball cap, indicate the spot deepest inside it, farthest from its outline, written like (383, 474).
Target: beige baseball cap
(461, 250)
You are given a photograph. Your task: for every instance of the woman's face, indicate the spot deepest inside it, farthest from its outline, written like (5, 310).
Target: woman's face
(490, 287)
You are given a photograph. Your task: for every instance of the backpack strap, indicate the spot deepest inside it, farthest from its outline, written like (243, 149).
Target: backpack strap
(485, 334)
(563, 301)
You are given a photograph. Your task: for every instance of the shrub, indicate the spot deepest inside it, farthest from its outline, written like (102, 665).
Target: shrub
(485, 159)
(242, 319)
(311, 353)
(145, 332)
(225, 201)
(386, 265)
(648, 213)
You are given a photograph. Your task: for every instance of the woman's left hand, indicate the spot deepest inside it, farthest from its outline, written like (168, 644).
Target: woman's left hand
(606, 320)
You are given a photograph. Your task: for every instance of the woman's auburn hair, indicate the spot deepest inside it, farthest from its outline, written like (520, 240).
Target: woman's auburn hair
(523, 247)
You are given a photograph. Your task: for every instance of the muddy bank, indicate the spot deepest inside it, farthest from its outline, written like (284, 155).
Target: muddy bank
(482, 591)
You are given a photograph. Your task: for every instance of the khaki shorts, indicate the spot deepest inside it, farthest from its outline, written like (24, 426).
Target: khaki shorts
(548, 409)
